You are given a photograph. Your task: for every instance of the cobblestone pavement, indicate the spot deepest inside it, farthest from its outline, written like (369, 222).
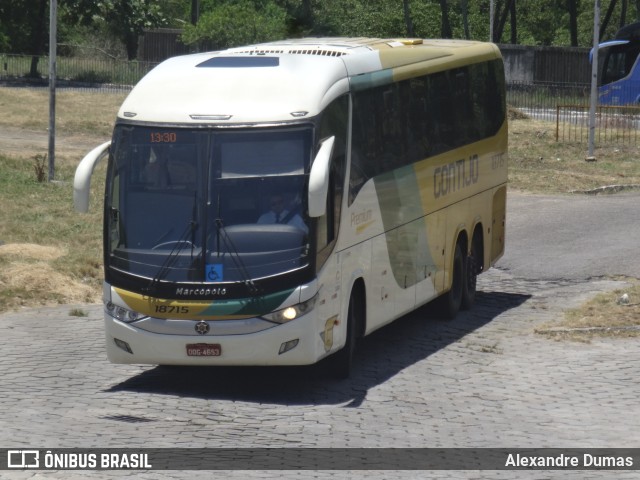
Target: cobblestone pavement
(483, 380)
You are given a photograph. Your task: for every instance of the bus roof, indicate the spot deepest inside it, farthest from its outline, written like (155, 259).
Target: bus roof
(285, 80)
(629, 32)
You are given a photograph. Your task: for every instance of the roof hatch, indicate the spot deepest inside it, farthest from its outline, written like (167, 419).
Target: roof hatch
(240, 62)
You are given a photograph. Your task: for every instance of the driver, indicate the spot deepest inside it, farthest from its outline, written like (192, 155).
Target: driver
(278, 214)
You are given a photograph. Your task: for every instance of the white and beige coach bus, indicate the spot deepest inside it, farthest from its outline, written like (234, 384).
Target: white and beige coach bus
(269, 205)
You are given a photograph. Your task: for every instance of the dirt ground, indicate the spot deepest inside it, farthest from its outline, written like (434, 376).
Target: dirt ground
(20, 273)
(27, 143)
(30, 269)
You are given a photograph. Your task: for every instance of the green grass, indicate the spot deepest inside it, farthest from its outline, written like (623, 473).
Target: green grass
(41, 214)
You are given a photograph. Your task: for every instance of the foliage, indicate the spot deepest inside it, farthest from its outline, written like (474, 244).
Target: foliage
(24, 26)
(124, 19)
(547, 22)
(224, 23)
(238, 23)
(361, 18)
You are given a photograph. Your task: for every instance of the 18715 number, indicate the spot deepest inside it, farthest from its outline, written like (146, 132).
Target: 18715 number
(171, 309)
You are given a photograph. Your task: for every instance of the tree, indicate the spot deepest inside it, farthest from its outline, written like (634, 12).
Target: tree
(38, 35)
(623, 14)
(615, 10)
(24, 29)
(543, 22)
(195, 11)
(573, 21)
(24, 23)
(607, 18)
(301, 17)
(229, 25)
(445, 31)
(124, 19)
(362, 18)
(464, 8)
(509, 7)
(514, 30)
(407, 17)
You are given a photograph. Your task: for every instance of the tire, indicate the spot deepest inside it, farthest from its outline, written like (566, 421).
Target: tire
(448, 305)
(341, 363)
(470, 278)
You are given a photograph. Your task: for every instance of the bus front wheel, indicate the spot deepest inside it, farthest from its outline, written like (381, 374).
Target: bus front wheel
(341, 362)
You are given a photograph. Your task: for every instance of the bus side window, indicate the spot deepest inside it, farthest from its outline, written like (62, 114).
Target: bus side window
(614, 67)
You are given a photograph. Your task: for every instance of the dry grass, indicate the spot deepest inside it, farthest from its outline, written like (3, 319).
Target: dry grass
(76, 113)
(540, 164)
(605, 314)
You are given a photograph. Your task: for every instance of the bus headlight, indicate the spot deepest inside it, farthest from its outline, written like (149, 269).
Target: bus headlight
(291, 313)
(121, 313)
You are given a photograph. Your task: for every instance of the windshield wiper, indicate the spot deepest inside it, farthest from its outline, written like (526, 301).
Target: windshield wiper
(235, 256)
(178, 247)
(169, 261)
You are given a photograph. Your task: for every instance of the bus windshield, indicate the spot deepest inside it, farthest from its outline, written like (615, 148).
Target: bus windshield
(619, 61)
(196, 205)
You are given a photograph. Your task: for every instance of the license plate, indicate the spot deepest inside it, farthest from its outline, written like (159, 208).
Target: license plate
(204, 350)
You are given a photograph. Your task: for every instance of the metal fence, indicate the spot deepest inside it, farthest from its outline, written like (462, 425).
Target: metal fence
(563, 103)
(614, 125)
(86, 72)
(568, 107)
(539, 100)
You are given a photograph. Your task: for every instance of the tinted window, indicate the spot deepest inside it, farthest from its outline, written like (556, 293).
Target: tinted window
(404, 122)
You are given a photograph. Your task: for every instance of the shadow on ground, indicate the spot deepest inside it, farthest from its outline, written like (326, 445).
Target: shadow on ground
(380, 356)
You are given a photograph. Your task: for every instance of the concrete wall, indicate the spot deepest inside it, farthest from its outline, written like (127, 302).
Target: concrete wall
(542, 65)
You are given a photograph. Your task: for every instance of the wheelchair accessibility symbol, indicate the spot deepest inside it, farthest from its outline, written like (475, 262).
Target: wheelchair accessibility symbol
(214, 272)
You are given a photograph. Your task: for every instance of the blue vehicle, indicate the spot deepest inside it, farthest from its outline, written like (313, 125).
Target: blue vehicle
(619, 71)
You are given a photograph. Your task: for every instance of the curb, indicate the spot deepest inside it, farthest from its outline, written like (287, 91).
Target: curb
(561, 331)
(608, 189)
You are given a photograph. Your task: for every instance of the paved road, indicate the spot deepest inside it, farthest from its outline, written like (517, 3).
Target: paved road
(483, 380)
(573, 237)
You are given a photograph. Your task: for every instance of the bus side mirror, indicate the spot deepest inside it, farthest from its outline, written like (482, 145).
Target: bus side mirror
(319, 179)
(82, 178)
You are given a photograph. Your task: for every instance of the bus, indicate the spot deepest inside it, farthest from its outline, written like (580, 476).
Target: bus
(386, 159)
(619, 71)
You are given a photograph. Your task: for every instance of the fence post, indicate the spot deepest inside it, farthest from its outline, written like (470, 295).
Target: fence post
(594, 82)
(53, 14)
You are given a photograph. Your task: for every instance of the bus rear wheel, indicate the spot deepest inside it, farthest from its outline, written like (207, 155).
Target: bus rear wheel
(470, 277)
